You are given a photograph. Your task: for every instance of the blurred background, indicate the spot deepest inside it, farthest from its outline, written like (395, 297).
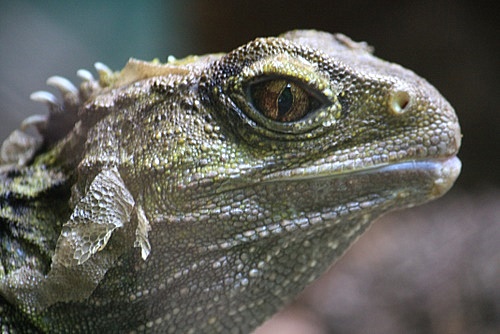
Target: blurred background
(432, 269)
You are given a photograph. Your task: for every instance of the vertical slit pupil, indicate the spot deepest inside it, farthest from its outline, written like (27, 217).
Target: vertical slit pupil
(285, 101)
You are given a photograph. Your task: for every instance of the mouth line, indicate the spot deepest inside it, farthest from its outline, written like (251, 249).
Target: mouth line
(445, 169)
(437, 175)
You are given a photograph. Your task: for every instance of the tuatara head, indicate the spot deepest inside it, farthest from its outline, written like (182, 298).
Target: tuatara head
(208, 191)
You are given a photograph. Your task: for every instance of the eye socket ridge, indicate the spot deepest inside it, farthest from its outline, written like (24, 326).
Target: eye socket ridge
(284, 99)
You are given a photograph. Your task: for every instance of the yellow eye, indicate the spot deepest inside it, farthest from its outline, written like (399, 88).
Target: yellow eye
(282, 100)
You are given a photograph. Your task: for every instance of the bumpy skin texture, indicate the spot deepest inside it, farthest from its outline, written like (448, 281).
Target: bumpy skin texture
(203, 194)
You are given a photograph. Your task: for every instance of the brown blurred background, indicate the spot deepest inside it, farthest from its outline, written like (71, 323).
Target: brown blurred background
(433, 269)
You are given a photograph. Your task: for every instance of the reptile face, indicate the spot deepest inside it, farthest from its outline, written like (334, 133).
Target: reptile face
(209, 191)
(334, 112)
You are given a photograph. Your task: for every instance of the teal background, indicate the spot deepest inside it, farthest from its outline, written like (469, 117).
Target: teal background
(39, 39)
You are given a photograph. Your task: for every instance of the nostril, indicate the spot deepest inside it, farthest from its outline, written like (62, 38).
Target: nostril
(398, 102)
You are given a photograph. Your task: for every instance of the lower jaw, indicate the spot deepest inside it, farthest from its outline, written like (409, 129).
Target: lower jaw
(442, 172)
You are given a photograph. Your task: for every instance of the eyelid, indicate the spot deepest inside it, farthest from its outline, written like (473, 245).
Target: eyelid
(296, 69)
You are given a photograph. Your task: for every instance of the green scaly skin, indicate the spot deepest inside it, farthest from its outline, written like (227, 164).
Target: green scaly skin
(203, 194)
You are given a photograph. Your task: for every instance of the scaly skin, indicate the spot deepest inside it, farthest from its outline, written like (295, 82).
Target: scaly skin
(203, 194)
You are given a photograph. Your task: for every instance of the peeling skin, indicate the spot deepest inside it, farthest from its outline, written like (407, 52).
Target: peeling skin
(205, 193)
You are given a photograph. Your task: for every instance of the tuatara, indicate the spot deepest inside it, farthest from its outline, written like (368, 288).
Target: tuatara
(202, 194)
